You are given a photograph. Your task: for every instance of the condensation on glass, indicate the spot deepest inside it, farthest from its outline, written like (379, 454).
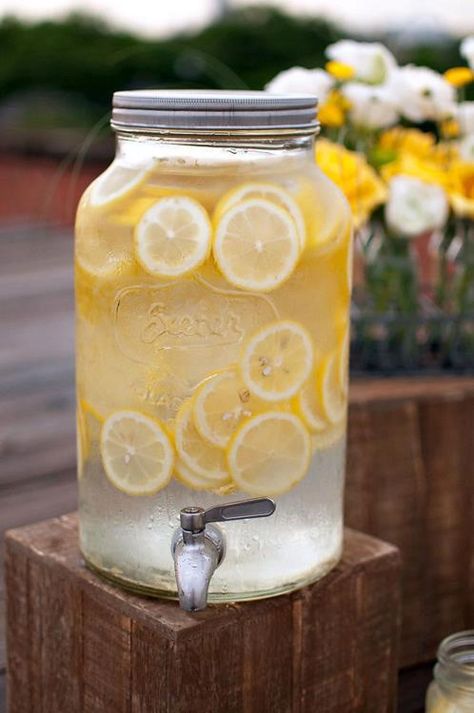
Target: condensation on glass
(213, 279)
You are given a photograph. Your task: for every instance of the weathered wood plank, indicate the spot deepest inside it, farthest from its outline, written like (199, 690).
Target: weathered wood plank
(288, 654)
(28, 502)
(106, 666)
(411, 482)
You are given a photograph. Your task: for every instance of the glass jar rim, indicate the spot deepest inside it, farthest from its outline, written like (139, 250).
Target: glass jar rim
(155, 110)
(455, 667)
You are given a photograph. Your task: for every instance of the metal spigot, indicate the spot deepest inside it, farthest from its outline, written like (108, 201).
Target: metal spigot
(198, 547)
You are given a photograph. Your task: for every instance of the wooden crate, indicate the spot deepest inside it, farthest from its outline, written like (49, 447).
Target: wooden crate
(410, 481)
(78, 644)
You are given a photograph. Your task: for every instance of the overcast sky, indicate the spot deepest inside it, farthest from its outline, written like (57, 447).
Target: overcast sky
(160, 17)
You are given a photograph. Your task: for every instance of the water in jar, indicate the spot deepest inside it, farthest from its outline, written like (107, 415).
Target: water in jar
(212, 344)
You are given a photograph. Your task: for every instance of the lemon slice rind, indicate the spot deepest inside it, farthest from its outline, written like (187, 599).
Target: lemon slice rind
(187, 477)
(220, 404)
(256, 245)
(200, 456)
(136, 178)
(269, 454)
(333, 397)
(270, 192)
(257, 356)
(173, 237)
(120, 448)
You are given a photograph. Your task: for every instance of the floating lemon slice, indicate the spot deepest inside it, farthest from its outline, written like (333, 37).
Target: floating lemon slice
(198, 455)
(104, 248)
(116, 184)
(270, 192)
(343, 370)
(221, 404)
(277, 360)
(186, 476)
(173, 237)
(269, 454)
(327, 438)
(88, 424)
(309, 407)
(331, 392)
(137, 454)
(326, 214)
(256, 245)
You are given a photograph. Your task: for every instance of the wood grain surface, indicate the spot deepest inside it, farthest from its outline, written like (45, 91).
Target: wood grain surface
(410, 481)
(78, 644)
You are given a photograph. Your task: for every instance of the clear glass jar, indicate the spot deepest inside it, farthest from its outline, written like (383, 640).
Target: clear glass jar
(213, 271)
(452, 690)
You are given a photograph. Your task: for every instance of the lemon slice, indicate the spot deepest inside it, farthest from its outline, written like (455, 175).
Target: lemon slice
(88, 425)
(221, 404)
(115, 184)
(104, 249)
(343, 365)
(270, 192)
(173, 237)
(269, 454)
(256, 245)
(331, 392)
(200, 457)
(137, 454)
(309, 407)
(327, 438)
(277, 360)
(186, 476)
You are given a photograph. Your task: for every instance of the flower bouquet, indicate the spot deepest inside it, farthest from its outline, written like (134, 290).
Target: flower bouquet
(399, 141)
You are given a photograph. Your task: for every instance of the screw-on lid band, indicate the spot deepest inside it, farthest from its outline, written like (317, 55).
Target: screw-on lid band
(188, 110)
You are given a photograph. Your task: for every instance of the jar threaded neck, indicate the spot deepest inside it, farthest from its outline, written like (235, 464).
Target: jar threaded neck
(455, 668)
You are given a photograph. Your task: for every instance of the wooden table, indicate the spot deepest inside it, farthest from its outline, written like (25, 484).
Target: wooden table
(37, 441)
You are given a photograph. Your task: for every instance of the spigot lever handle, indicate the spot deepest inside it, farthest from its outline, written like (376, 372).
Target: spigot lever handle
(195, 519)
(241, 510)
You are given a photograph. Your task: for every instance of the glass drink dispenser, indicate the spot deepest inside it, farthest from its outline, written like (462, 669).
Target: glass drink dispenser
(213, 281)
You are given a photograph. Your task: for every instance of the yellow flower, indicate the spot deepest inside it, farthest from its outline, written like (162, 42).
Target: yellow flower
(444, 153)
(425, 169)
(333, 111)
(450, 128)
(461, 188)
(340, 70)
(459, 76)
(359, 182)
(416, 154)
(330, 114)
(413, 141)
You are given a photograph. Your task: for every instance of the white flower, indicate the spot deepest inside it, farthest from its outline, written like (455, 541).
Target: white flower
(300, 80)
(467, 50)
(466, 148)
(415, 206)
(423, 94)
(371, 61)
(465, 117)
(372, 107)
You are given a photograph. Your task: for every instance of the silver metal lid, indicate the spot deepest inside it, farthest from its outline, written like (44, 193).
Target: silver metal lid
(202, 110)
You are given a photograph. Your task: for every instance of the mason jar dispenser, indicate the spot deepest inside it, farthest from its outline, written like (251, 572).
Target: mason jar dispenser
(213, 281)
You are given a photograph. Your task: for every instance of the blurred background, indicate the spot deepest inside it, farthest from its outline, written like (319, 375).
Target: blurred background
(60, 67)
(61, 60)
